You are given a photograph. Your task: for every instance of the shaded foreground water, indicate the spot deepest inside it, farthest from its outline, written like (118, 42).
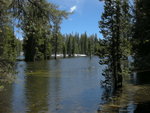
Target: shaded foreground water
(72, 85)
(134, 97)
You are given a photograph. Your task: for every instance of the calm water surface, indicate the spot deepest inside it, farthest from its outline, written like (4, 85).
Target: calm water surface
(70, 85)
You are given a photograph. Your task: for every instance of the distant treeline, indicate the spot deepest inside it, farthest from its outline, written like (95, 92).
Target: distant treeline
(71, 44)
(68, 45)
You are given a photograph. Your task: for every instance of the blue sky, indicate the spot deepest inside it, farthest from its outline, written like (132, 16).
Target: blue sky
(85, 18)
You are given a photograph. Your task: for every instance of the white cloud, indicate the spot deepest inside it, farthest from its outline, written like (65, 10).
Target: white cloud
(73, 8)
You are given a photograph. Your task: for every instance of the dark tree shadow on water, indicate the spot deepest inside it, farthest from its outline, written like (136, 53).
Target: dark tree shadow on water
(133, 97)
(108, 103)
(143, 108)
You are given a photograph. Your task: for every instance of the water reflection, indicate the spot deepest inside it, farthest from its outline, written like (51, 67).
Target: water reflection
(55, 86)
(141, 78)
(68, 85)
(13, 96)
(36, 91)
(5, 100)
(132, 98)
(18, 94)
(143, 108)
(72, 85)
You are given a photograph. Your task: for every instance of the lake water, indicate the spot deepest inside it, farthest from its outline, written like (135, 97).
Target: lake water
(71, 85)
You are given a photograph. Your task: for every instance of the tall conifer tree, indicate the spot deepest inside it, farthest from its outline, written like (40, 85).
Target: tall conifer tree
(111, 26)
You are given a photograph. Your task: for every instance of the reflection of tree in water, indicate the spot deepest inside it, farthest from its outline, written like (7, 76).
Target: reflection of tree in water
(37, 89)
(143, 108)
(55, 88)
(106, 95)
(132, 98)
(37, 93)
(6, 99)
(12, 98)
(108, 102)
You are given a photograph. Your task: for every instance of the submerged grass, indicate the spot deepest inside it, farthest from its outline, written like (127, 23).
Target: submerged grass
(127, 99)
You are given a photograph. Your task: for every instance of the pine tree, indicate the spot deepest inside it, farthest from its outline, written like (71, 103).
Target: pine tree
(69, 45)
(42, 30)
(64, 50)
(56, 40)
(141, 36)
(35, 27)
(91, 45)
(7, 43)
(84, 43)
(77, 40)
(114, 30)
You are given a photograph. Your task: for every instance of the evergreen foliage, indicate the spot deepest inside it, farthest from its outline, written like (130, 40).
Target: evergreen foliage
(8, 43)
(141, 36)
(115, 27)
(81, 44)
(41, 30)
(36, 33)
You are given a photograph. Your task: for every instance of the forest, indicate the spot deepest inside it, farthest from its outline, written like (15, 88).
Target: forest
(40, 22)
(123, 49)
